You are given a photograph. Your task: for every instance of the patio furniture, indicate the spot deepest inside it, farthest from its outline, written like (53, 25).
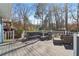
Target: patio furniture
(30, 35)
(46, 36)
(35, 35)
(67, 39)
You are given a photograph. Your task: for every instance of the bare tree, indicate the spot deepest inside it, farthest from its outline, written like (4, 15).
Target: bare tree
(40, 12)
(23, 13)
(56, 10)
(50, 17)
(74, 16)
(61, 25)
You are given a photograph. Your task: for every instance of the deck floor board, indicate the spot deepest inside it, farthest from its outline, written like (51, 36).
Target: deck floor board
(40, 48)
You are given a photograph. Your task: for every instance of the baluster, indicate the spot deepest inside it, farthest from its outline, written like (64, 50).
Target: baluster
(5, 36)
(13, 35)
(8, 35)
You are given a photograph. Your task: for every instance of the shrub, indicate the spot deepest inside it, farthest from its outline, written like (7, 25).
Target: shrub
(18, 32)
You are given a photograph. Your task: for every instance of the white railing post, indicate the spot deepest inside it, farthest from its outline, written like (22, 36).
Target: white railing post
(75, 44)
(8, 35)
(4, 35)
(13, 34)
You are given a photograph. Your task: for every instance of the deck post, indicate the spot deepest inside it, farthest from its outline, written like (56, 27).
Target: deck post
(76, 44)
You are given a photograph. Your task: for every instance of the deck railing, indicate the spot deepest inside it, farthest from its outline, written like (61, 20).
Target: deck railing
(62, 32)
(8, 35)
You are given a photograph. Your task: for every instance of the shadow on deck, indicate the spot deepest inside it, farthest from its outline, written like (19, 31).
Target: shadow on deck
(67, 46)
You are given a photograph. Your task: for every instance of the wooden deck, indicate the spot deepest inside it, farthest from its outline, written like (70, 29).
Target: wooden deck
(35, 48)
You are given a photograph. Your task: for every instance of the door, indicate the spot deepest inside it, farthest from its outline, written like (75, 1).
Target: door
(1, 31)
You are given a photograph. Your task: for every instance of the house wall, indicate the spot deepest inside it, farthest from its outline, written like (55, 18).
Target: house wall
(5, 11)
(1, 31)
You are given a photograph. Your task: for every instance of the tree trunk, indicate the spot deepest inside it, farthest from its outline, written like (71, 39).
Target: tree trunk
(66, 16)
(78, 17)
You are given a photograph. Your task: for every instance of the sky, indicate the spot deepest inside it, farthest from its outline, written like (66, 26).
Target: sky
(71, 6)
(32, 11)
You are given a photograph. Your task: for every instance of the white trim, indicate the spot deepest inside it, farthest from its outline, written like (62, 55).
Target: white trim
(75, 44)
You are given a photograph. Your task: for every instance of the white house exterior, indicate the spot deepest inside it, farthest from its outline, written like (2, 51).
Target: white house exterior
(5, 12)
